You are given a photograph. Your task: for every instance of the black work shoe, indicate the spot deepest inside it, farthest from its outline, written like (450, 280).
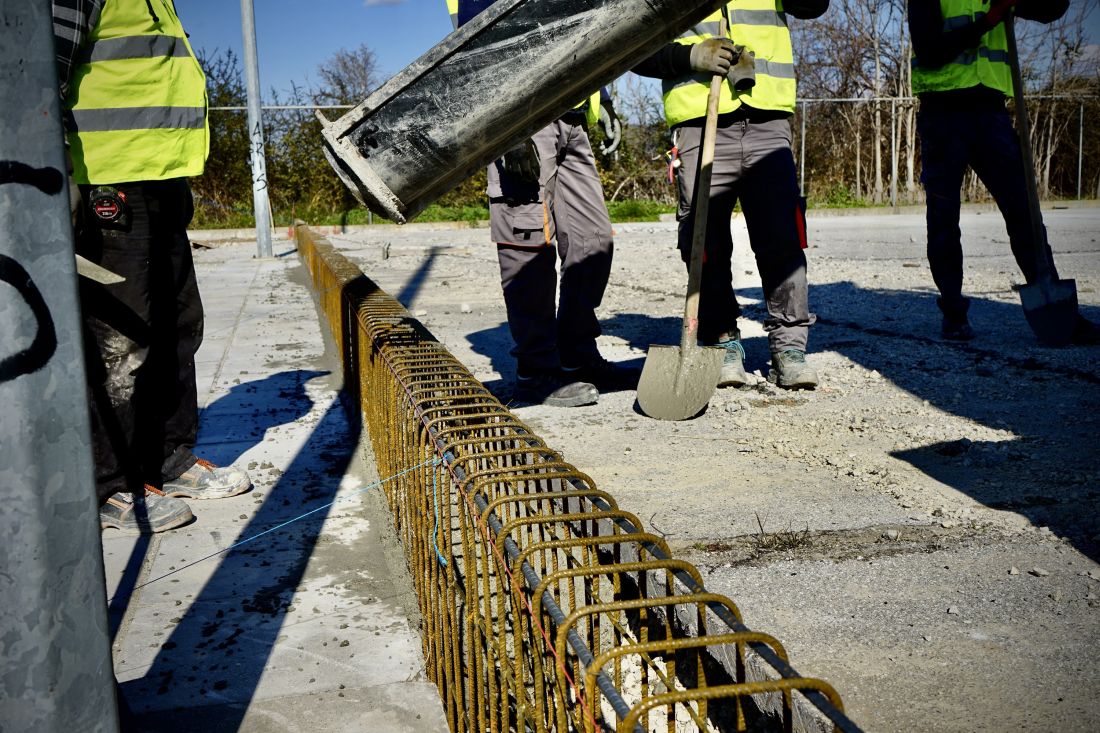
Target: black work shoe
(954, 330)
(606, 376)
(955, 326)
(790, 370)
(150, 513)
(204, 480)
(554, 389)
(1085, 332)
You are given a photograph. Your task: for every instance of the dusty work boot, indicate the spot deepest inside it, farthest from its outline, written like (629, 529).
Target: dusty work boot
(149, 513)
(204, 480)
(1085, 333)
(606, 376)
(790, 370)
(555, 389)
(733, 364)
(956, 330)
(955, 325)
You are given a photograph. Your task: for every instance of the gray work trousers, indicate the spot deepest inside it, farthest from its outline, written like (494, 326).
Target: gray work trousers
(526, 219)
(753, 164)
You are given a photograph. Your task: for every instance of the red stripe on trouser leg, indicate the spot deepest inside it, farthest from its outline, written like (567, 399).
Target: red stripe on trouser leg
(800, 224)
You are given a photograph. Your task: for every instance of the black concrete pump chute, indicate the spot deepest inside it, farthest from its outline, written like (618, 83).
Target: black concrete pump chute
(508, 72)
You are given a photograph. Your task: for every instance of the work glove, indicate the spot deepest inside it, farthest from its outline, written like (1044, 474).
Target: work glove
(611, 127)
(997, 12)
(742, 74)
(522, 161)
(712, 56)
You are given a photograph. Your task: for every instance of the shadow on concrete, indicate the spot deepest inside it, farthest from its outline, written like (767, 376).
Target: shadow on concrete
(116, 604)
(416, 281)
(220, 646)
(238, 420)
(1003, 380)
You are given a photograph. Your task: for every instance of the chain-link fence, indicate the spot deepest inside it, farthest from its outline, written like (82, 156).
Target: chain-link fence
(866, 151)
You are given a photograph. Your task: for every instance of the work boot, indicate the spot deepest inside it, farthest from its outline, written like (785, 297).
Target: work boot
(955, 326)
(956, 330)
(790, 370)
(1085, 333)
(149, 513)
(204, 480)
(605, 375)
(733, 364)
(555, 389)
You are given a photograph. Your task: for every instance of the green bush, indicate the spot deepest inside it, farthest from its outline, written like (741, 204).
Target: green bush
(837, 196)
(638, 210)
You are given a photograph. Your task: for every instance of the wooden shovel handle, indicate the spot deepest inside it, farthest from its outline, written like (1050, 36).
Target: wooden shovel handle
(1023, 130)
(701, 204)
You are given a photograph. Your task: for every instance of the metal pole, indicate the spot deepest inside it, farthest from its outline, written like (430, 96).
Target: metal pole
(802, 153)
(260, 204)
(894, 153)
(53, 606)
(1080, 144)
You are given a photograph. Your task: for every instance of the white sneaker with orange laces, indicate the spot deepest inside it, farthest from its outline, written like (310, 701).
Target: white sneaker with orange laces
(148, 513)
(204, 480)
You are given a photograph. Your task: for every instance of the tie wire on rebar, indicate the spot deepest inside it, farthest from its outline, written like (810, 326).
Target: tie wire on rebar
(545, 605)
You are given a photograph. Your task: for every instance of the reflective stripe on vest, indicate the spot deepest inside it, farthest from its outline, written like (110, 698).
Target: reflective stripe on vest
(137, 100)
(986, 65)
(452, 8)
(759, 25)
(139, 118)
(135, 47)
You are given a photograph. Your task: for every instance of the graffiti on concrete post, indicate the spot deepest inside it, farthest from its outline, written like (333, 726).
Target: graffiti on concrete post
(44, 343)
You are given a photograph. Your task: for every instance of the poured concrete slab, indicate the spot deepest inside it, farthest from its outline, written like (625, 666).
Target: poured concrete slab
(889, 505)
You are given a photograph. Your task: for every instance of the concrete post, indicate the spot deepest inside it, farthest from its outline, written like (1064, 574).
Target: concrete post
(260, 204)
(57, 675)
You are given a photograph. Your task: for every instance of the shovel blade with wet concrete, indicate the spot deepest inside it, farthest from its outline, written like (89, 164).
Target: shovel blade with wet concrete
(1051, 310)
(676, 382)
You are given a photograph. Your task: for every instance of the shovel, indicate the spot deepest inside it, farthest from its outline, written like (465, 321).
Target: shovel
(677, 383)
(1050, 305)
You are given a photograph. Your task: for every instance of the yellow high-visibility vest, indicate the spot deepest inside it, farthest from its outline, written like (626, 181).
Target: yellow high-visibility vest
(759, 25)
(986, 65)
(137, 101)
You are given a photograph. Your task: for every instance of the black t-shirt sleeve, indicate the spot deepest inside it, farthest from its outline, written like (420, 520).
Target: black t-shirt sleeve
(805, 9)
(672, 61)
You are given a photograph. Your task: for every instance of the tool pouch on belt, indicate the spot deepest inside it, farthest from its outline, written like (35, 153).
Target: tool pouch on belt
(109, 208)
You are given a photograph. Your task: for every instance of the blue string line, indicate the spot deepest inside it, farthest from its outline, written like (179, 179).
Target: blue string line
(376, 484)
(435, 529)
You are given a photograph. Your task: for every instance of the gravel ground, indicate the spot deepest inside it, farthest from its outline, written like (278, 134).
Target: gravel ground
(921, 530)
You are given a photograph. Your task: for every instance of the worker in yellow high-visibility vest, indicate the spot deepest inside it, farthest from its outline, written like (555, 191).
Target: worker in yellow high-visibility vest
(544, 192)
(962, 75)
(135, 105)
(753, 165)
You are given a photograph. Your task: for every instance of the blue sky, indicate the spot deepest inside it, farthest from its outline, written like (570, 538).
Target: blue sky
(294, 36)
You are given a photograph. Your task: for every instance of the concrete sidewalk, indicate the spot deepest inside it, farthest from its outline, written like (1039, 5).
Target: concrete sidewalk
(312, 626)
